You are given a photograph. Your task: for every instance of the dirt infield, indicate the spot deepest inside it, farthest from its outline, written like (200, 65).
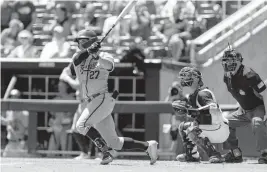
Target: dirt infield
(69, 165)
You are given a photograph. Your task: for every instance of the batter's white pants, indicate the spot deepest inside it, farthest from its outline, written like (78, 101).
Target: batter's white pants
(97, 114)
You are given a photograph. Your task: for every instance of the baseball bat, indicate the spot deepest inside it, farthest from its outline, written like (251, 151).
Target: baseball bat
(125, 11)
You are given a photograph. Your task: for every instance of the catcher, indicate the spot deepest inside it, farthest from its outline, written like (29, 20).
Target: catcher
(208, 126)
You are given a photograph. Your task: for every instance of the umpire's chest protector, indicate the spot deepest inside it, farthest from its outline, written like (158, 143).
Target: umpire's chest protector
(241, 88)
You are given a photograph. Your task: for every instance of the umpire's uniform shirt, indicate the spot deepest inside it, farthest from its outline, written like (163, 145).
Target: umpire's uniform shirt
(246, 87)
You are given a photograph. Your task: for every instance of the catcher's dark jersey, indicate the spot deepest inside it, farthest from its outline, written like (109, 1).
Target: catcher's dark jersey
(199, 98)
(245, 87)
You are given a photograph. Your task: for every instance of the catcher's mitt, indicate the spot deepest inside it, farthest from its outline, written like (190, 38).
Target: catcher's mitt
(181, 107)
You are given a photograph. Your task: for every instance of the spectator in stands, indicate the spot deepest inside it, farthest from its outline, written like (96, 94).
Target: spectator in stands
(60, 121)
(136, 56)
(140, 23)
(58, 47)
(151, 7)
(72, 6)
(168, 31)
(217, 12)
(87, 21)
(121, 29)
(165, 9)
(17, 124)
(9, 37)
(188, 9)
(193, 29)
(6, 14)
(25, 12)
(26, 49)
(61, 19)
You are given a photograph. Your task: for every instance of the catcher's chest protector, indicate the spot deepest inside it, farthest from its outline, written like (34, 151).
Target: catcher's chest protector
(205, 118)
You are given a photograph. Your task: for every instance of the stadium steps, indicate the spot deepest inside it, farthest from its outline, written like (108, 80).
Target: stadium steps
(209, 46)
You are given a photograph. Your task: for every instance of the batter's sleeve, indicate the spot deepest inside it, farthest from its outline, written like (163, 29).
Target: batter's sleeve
(79, 57)
(72, 70)
(110, 58)
(255, 81)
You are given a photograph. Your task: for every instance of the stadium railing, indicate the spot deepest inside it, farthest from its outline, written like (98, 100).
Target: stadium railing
(235, 29)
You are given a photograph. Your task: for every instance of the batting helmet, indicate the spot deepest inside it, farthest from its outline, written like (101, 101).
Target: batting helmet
(88, 35)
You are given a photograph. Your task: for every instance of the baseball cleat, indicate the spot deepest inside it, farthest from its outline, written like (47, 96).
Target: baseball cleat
(186, 158)
(216, 159)
(107, 158)
(233, 156)
(263, 157)
(82, 156)
(152, 151)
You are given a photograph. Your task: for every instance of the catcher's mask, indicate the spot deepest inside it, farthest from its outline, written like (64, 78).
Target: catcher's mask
(85, 38)
(189, 75)
(231, 60)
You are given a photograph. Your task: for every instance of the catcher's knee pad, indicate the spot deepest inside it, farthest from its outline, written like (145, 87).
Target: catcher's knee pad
(193, 133)
(183, 128)
(258, 124)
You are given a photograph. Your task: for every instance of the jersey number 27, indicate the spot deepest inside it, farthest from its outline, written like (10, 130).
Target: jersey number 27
(94, 74)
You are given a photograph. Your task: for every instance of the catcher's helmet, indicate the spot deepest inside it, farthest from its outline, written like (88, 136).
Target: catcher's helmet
(88, 35)
(231, 60)
(188, 75)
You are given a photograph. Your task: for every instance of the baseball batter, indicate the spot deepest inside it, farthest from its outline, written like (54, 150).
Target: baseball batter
(209, 126)
(92, 70)
(68, 75)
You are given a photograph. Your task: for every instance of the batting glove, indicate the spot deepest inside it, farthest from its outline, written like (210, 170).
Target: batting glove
(94, 48)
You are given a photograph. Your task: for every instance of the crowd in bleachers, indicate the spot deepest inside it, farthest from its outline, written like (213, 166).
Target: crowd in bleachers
(158, 28)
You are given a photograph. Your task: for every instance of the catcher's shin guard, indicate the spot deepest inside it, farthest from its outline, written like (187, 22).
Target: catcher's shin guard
(205, 144)
(191, 154)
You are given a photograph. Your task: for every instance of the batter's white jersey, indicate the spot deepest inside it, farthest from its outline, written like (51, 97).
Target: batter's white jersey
(92, 81)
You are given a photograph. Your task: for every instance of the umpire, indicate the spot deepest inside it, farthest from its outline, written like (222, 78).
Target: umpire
(250, 92)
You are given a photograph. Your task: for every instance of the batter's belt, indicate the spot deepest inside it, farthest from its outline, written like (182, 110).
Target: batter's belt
(90, 98)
